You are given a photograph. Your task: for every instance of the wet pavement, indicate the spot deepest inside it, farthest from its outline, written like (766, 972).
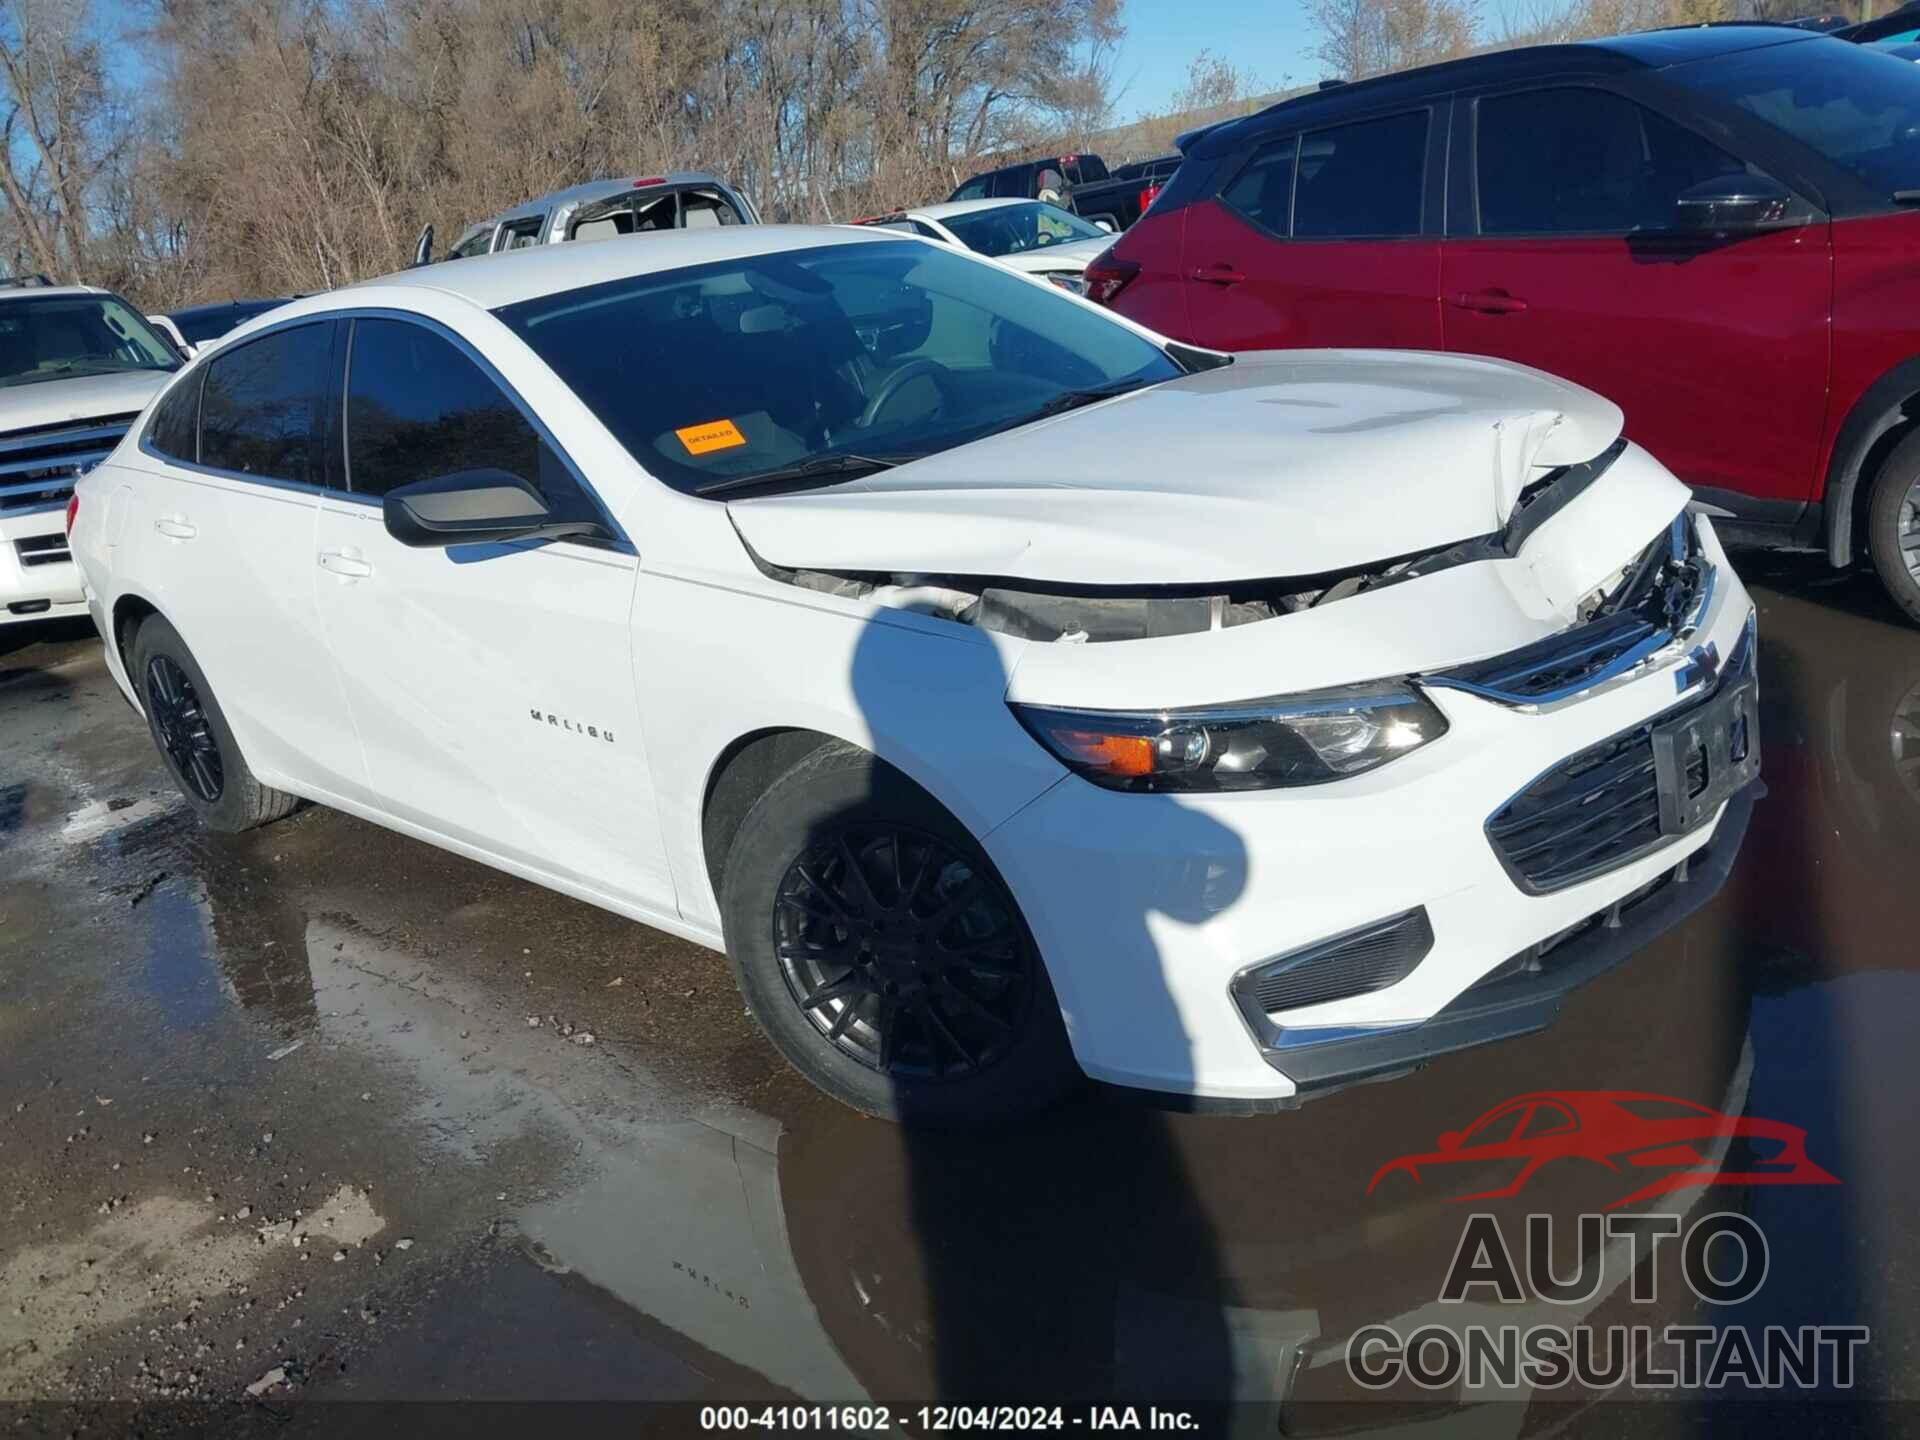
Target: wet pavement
(320, 1114)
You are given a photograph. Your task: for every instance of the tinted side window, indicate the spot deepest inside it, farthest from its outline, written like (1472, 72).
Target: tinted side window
(1362, 181)
(1575, 161)
(175, 428)
(1263, 190)
(975, 189)
(417, 409)
(260, 413)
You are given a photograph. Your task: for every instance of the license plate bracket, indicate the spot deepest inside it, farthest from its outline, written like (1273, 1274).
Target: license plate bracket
(1701, 758)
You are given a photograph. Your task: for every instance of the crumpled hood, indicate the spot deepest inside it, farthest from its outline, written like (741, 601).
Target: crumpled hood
(1285, 463)
(85, 397)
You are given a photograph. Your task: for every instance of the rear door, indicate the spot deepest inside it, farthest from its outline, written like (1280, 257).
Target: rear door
(1566, 257)
(492, 685)
(1330, 237)
(225, 533)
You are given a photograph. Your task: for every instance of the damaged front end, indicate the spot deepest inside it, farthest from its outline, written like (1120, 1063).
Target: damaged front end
(1600, 619)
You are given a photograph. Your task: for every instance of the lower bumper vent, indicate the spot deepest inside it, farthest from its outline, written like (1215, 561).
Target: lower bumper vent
(1357, 963)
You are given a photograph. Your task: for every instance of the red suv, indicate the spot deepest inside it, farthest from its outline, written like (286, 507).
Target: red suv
(1713, 227)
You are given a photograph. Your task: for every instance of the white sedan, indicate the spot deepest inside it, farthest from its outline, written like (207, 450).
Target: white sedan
(1011, 693)
(1030, 236)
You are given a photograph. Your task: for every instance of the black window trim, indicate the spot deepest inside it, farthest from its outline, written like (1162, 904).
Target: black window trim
(615, 538)
(1734, 134)
(1433, 172)
(334, 424)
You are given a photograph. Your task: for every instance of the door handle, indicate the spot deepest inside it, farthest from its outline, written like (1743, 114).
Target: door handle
(1489, 302)
(339, 562)
(176, 529)
(1221, 274)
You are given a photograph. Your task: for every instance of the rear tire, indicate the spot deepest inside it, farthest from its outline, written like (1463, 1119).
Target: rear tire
(849, 883)
(193, 737)
(1893, 525)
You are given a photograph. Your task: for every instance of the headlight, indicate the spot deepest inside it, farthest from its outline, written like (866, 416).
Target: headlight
(1289, 740)
(1067, 280)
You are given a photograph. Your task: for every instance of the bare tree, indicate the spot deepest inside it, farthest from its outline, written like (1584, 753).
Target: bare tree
(1358, 38)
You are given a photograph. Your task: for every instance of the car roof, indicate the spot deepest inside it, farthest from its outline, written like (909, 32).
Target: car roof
(1648, 50)
(15, 290)
(599, 190)
(491, 281)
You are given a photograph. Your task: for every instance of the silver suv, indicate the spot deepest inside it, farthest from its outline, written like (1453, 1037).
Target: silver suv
(77, 365)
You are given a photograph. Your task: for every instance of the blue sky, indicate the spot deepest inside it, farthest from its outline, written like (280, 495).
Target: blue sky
(1267, 37)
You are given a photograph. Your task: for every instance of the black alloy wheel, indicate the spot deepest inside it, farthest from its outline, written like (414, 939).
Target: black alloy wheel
(185, 734)
(901, 954)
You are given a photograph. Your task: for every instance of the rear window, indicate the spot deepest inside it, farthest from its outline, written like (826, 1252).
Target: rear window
(1859, 107)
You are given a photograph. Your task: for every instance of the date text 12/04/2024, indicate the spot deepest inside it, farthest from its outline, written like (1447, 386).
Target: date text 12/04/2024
(865, 1419)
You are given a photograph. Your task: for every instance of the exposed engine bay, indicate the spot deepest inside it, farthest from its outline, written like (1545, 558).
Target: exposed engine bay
(1089, 615)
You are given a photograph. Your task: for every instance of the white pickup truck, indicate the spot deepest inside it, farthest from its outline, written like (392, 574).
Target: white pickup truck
(77, 364)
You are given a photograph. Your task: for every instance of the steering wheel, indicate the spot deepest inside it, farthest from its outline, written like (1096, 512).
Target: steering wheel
(933, 370)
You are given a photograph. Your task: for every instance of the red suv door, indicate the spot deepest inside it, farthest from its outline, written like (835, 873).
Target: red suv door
(1567, 258)
(1325, 238)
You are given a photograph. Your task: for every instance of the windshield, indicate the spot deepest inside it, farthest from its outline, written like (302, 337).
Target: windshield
(59, 337)
(1017, 229)
(1857, 106)
(851, 356)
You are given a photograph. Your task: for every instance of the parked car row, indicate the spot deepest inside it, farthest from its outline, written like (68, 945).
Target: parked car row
(1712, 227)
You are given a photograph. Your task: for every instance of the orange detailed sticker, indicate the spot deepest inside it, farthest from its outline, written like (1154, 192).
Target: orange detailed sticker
(714, 435)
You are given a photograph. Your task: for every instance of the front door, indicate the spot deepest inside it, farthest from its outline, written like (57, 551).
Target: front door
(1322, 239)
(492, 685)
(1716, 349)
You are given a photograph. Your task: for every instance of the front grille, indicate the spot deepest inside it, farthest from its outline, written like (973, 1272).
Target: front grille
(1662, 592)
(1357, 963)
(38, 467)
(42, 550)
(1598, 809)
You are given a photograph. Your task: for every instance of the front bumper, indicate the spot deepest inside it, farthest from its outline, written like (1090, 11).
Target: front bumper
(1148, 908)
(38, 579)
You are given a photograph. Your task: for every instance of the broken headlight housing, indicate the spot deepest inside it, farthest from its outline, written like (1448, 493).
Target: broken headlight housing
(1290, 740)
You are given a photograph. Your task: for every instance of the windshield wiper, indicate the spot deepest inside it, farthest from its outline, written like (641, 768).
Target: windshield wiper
(821, 469)
(1073, 399)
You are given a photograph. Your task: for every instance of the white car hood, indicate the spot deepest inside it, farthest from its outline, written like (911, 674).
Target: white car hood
(89, 397)
(1294, 463)
(1070, 258)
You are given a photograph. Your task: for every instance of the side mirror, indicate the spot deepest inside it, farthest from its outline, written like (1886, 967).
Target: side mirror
(423, 247)
(473, 507)
(1735, 204)
(1103, 224)
(1450, 1140)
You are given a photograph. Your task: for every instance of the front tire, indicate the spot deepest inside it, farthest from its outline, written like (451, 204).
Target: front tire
(193, 737)
(882, 954)
(1893, 525)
